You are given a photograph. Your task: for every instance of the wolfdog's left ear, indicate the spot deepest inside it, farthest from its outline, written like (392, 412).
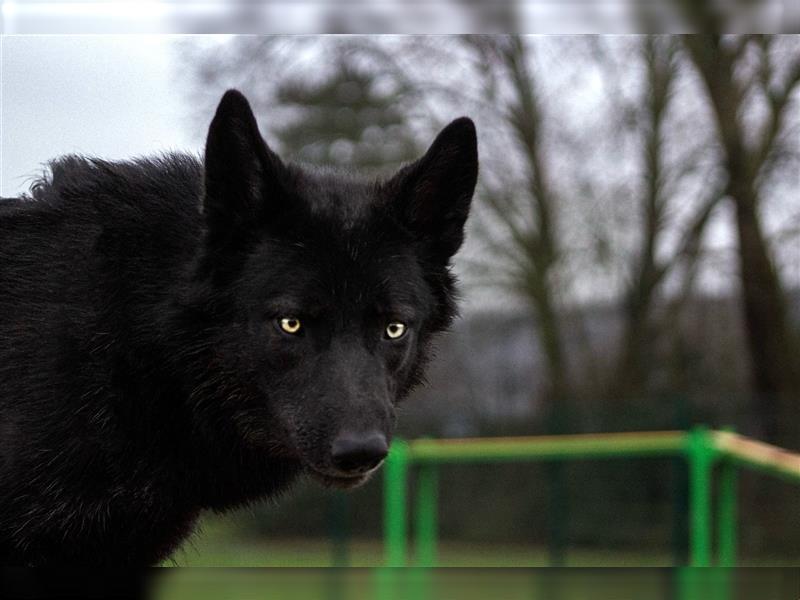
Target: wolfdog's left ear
(435, 192)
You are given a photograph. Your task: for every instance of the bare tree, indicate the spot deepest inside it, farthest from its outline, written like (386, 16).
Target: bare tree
(736, 71)
(530, 250)
(658, 192)
(530, 245)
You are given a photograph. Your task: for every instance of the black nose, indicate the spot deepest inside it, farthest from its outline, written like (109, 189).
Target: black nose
(358, 452)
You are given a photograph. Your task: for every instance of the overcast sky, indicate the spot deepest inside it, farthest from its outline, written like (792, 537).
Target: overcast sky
(109, 96)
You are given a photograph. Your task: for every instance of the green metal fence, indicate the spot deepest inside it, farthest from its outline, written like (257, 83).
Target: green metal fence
(706, 452)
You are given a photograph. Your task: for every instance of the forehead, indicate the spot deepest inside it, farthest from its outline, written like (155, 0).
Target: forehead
(338, 198)
(341, 273)
(342, 252)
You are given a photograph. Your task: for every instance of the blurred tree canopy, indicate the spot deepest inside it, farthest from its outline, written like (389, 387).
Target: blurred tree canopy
(330, 105)
(345, 119)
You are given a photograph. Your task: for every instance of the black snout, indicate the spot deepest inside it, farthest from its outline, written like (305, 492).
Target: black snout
(358, 452)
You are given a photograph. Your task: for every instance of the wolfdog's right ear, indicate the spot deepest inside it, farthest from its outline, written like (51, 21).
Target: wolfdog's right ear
(242, 174)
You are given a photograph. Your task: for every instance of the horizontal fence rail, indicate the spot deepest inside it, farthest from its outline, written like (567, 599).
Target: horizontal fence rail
(758, 455)
(477, 450)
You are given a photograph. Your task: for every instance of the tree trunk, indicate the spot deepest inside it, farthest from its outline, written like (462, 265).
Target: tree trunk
(551, 343)
(769, 337)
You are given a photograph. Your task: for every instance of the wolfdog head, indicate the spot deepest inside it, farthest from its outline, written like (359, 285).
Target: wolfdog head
(327, 289)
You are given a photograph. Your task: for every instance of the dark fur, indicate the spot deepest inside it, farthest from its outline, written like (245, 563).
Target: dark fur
(143, 377)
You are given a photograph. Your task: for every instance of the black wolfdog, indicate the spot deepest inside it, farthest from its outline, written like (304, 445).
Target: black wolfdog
(178, 336)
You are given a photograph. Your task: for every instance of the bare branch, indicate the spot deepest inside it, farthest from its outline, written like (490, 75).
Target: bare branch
(778, 101)
(689, 248)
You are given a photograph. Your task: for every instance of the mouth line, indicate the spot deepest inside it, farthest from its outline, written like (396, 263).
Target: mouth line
(340, 480)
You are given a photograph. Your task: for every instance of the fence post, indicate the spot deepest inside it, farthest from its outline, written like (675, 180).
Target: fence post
(395, 524)
(700, 453)
(426, 513)
(727, 514)
(680, 494)
(338, 520)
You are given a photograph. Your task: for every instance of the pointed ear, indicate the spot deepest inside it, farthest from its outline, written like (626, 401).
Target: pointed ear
(434, 193)
(242, 175)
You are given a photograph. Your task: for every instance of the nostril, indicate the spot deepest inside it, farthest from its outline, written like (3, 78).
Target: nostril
(358, 452)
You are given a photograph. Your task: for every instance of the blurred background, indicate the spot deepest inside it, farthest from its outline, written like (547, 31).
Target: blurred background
(632, 261)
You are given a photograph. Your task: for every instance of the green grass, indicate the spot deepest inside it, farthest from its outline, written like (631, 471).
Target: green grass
(223, 542)
(473, 584)
(367, 584)
(369, 553)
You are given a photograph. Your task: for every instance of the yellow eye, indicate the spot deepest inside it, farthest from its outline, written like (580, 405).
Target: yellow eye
(394, 331)
(290, 325)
